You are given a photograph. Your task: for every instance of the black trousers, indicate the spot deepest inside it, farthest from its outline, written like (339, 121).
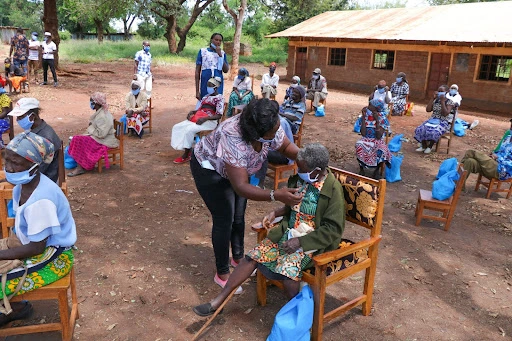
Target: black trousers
(228, 214)
(51, 64)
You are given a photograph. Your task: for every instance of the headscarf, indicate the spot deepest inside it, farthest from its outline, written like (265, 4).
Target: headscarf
(379, 104)
(216, 81)
(101, 99)
(244, 71)
(296, 78)
(32, 147)
(138, 83)
(301, 90)
(273, 64)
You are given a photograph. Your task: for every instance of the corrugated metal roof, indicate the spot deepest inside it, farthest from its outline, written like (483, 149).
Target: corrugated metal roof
(473, 22)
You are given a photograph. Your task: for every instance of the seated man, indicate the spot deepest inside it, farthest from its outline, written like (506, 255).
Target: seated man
(317, 88)
(269, 82)
(136, 103)
(498, 165)
(310, 228)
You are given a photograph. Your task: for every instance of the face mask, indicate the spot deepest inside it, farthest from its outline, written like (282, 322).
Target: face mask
(213, 46)
(439, 93)
(146, 48)
(453, 92)
(135, 92)
(210, 90)
(381, 90)
(46, 38)
(92, 105)
(271, 70)
(25, 123)
(241, 77)
(399, 79)
(20, 178)
(307, 176)
(262, 140)
(294, 85)
(316, 76)
(34, 38)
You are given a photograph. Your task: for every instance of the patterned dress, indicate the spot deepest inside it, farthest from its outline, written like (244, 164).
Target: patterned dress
(244, 86)
(211, 66)
(399, 93)
(370, 151)
(437, 125)
(5, 102)
(272, 256)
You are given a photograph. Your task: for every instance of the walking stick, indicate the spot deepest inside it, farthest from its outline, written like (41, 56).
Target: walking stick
(219, 309)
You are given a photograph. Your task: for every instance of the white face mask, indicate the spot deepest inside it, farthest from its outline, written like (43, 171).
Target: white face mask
(307, 176)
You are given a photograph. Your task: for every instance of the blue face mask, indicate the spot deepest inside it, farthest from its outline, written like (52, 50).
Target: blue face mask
(135, 92)
(213, 46)
(34, 38)
(262, 140)
(439, 93)
(241, 77)
(146, 48)
(453, 92)
(399, 79)
(307, 176)
(25, 123)
(381, 90)
(210, 90)
(20, 178)
(92, 105)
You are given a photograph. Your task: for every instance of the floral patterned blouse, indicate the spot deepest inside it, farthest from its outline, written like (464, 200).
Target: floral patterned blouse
(225, 145)
(215, 101)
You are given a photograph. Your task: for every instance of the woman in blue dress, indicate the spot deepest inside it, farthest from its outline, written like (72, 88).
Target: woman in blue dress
(211, 62)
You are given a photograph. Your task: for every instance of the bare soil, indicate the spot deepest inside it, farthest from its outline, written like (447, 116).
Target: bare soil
(145, 256)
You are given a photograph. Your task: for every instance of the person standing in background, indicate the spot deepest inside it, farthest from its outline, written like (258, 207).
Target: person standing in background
(33, 56)
(142, 68)
(49, 49)
(19, 45)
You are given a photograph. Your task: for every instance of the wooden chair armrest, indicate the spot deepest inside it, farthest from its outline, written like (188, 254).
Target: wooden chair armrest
(327, 257)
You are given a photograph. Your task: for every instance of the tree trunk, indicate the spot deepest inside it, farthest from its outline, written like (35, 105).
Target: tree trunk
(239, 20)
(99, 30)
(182, 33)
(125, 28)
(170, 33)
(51, 24)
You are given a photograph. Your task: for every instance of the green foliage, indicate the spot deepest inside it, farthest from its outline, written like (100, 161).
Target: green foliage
(449, 2)
(64, 35)
(24, 13)
(151, 31)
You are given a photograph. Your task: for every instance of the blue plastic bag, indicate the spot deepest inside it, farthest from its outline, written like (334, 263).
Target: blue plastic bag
(69, 162)
(320, 111)
(396, 143)
(357, 125)
(393, 172)
(459, 129)
(295, 319)
(446, 166)
(444, 187)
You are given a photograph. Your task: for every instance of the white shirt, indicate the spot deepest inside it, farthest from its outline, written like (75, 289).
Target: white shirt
(382, 96)
(48, 48)
(33, 54)
(267, 80)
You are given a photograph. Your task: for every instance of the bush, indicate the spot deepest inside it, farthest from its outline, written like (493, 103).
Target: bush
(64, 35)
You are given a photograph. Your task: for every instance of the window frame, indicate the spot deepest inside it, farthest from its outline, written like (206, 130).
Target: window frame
(494, 60)
(342, 58)
(387, 65)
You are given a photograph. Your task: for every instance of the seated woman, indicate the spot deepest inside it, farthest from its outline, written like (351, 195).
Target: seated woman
(242, 91)
(17, 79)
(430, 131)
(371, 150)
(89, 148)
(5, 107)
(399, 92)
(205, 117)
(498, 165)
(295, 83)
(136, 103)
(312, 227)
(44, 230)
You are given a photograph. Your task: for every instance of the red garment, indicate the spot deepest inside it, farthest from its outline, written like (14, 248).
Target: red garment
(3, 81)
(87, 152)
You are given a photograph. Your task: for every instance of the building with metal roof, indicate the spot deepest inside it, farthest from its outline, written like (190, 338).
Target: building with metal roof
(467, 44)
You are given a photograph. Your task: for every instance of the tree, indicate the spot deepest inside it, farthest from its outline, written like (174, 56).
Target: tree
(128, 16)
(171, 11)
(449, 2)
(238, 18)
(51, 24)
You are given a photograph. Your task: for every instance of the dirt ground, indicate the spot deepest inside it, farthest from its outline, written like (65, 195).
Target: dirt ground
(145, 256)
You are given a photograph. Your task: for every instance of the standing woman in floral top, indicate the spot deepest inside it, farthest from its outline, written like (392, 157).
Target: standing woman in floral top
(221, 166)
(399, 93)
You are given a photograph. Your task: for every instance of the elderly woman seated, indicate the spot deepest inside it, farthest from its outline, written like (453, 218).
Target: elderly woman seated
(205, 117)
(312, 227)
(443, 110)
(295, 82)
(371, 150)
(498, 165)
(242, 90)
(44, 230)
(136, 103)
(89, 148)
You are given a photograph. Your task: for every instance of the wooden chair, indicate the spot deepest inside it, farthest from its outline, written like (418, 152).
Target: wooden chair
(447, 207)
(276, 171)
(390, 107)
(55, 291)
(149, 111)
(494, 185)
(322, 101)
(448, 136)
(62, 171)
(10, 131)
(383, 166)
(351, 258)
(114, 152)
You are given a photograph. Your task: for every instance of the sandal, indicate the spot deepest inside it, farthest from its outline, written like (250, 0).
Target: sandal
(204, 310)
(24, 312)
(76, 173)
